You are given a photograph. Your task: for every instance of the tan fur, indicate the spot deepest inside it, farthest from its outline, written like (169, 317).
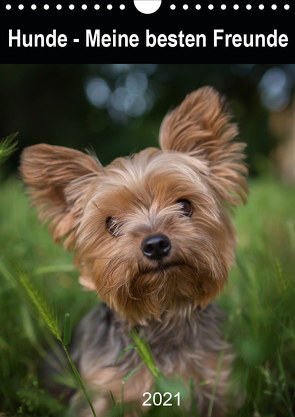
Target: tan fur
(198, 161)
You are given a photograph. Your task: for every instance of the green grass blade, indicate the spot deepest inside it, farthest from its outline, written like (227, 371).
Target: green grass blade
(7, 147)
(67, 330)
(123, 351)
(28, 325)
(65, 380)
(122, 387)
(42, 305)
(132, 372)
(215, 383)
(192, 397)
(77, 375)
(51, 269)
(145, 353)
(282, 371)
(37, 300)
(113, 399)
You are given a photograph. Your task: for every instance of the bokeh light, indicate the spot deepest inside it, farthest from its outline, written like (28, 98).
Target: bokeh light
(98, 92)
(275, 88)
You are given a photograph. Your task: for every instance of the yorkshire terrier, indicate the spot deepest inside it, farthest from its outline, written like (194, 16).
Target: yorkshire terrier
(153, 236)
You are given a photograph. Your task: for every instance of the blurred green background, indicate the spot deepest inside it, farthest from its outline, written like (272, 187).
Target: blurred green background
(117, 109)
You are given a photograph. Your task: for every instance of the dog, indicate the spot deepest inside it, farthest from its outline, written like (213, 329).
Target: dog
(152, 234)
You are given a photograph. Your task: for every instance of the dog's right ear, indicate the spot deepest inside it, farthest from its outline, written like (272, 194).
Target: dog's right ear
(59, 180)
(201, 127)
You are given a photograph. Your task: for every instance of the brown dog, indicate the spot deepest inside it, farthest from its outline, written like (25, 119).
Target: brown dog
(153, 237)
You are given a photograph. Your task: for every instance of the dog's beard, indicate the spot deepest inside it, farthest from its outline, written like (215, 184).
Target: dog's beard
(141, 292)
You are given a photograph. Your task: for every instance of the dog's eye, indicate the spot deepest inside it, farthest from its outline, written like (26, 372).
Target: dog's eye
(185, 207)
(113, 226)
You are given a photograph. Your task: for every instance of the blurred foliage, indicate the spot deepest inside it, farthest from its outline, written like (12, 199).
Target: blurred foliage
(7, 147)
(260, 300)
(117, 108)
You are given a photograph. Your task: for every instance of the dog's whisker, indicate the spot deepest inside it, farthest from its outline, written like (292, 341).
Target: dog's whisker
(96, 206)
(108, 292)
(116, 266)
(108, 263)
(101, 288)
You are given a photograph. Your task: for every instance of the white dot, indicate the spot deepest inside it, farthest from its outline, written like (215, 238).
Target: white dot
(210, 7)
(33, 7)
(185, 7)
(71, 7)
(84, 6)
(122, 6)
(96, 6)
(8, 6)
(58, 6)
(248, 7)
(223, 7)
(21, 7)
(274, 6)
(236, 6)
(261, 6)
(46, 6)
(198, 6)
(109, 7)
(172, 7)
(286, 7)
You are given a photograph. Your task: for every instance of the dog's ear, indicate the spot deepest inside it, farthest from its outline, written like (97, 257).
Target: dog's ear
(59, 180)
(201, 127)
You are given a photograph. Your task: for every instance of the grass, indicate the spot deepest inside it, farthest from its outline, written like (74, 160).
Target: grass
(259, 300)
(7, 147)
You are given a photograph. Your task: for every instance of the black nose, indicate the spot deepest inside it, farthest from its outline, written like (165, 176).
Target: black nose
(156, 246)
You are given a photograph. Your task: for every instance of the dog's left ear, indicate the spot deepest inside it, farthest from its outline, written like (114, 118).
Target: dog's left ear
(200, 127)
(59, 182)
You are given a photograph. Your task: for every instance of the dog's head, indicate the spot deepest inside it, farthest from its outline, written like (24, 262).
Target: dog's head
(151, 232)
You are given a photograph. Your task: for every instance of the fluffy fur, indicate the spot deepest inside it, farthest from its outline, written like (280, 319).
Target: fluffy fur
(169, 298)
